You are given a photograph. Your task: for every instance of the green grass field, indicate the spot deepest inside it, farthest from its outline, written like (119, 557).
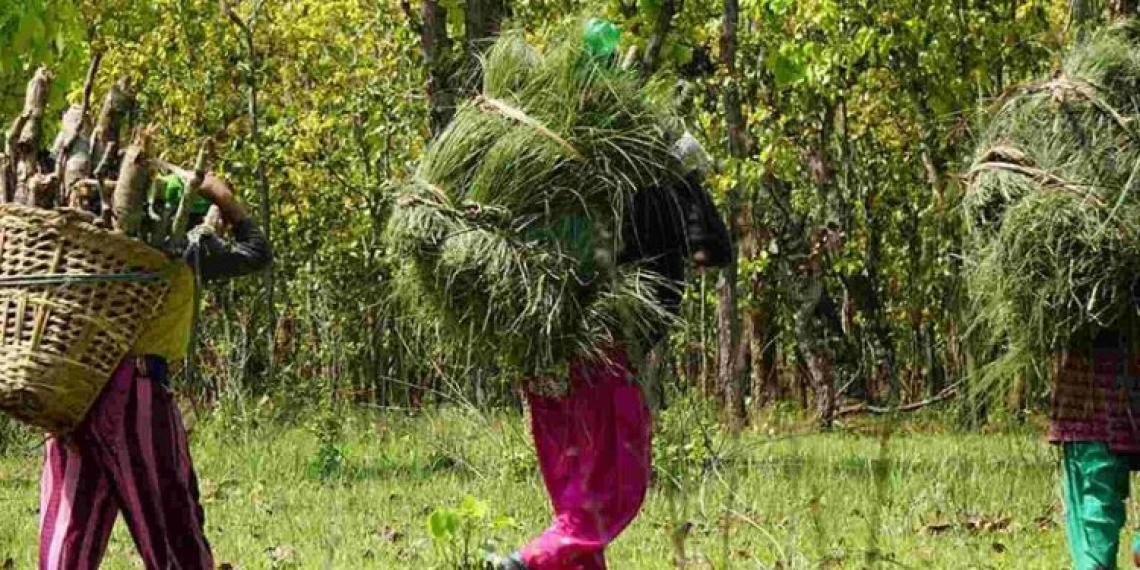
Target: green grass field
(356, 491)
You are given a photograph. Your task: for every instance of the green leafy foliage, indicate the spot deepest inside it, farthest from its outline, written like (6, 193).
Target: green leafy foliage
(858, 116)
(456, 532)
(35, 33)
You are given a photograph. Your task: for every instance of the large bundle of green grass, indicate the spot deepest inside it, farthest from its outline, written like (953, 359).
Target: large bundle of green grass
(1053, 208)
(506, 239)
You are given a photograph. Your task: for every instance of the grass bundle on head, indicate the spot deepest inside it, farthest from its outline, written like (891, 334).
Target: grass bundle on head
(508, 234)
(1053, 211)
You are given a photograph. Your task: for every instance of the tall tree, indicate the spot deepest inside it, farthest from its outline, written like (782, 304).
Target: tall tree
(730, 382)
(450, 73)
(253, 114)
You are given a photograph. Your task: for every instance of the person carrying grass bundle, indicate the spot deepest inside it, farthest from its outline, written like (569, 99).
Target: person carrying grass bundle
(543, 236)
(130, 454)
(594, 444)
(1052, 269)
(593, 439)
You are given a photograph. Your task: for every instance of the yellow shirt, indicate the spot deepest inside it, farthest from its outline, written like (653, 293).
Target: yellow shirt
(168, 333)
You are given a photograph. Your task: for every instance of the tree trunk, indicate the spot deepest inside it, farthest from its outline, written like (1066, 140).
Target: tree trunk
(1017, 399)
(661, 28)
(728, 321)
(435, 44)
(765, 384)
(729, 383)
(823, 378)
(812, 338)
(756, 314)
(482, 19)
(817, 321)
(1123, 8)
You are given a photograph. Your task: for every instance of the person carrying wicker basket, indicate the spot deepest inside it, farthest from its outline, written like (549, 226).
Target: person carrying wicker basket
(130, 453)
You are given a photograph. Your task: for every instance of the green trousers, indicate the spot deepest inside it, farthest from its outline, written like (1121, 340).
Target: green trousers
(1096, 484)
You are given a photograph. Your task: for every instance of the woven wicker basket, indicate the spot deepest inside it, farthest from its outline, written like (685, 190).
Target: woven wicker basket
(73, 299)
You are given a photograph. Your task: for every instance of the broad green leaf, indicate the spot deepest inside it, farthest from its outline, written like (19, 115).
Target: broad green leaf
(787, 67)
(442, 524)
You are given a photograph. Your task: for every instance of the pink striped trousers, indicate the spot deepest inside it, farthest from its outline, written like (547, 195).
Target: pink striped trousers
(130, 455)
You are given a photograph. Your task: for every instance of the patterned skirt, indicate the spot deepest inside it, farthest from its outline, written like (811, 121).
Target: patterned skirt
(1097, 399)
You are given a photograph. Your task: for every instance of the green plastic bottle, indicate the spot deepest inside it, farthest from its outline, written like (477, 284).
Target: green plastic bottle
(602, 38)
(174, 187)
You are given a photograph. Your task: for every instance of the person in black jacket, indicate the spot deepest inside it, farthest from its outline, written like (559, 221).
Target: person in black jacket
(594, 443)
(667, 227)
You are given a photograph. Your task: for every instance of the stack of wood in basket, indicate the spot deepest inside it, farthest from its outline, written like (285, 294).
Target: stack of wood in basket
(82, 266)
(90, 167)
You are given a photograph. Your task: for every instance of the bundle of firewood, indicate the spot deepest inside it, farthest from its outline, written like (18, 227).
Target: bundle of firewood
(90, 168)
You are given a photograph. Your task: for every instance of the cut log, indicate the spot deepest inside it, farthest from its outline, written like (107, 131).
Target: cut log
(134, 180)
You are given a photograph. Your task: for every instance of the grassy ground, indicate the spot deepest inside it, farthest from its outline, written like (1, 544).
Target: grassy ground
(357, 490)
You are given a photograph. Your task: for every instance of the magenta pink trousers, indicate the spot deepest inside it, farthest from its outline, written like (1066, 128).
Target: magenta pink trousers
(594, 450)
(129, 457)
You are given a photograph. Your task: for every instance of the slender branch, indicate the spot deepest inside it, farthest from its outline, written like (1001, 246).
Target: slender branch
(234, 18)
(417, 27)
(661, 29)
(259, 172)
(946, 394)
(89, 83)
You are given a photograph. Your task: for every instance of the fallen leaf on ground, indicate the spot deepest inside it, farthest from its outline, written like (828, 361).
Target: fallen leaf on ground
(281, 554)
(390, 534)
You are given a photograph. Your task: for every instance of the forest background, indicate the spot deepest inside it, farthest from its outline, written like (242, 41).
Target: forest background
(839, 131)
(333, 430)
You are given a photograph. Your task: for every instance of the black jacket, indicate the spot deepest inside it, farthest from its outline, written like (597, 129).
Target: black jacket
(665, 225)
(215, 259)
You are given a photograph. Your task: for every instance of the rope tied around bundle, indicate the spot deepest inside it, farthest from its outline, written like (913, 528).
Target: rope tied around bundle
(1052, 211)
